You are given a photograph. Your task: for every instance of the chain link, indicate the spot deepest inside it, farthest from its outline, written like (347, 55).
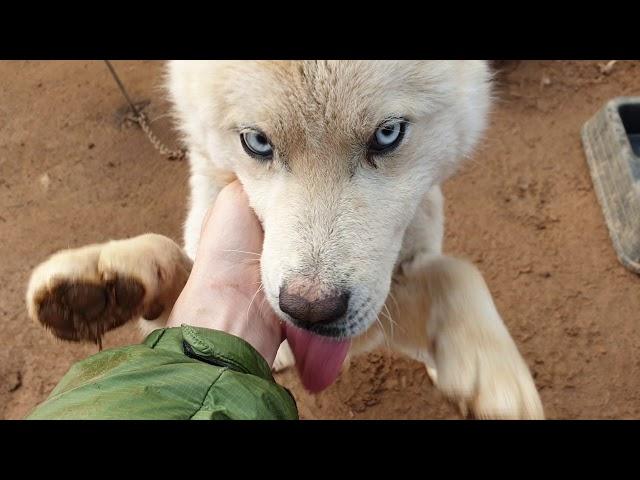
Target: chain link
(141, 119)
(180, 154)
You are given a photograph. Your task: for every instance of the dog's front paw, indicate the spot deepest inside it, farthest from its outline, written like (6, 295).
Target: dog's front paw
(485, 376)
(80, 294)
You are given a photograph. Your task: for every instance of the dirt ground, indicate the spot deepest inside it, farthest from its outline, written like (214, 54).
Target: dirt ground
(524, 210)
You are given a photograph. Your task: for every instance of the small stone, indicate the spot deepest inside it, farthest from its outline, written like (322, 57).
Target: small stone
(607, 68)
(526, 269)
(16, 383)
(45, 181)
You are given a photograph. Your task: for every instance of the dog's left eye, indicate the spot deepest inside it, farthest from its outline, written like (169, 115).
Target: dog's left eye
(388, 136)
(256, 144)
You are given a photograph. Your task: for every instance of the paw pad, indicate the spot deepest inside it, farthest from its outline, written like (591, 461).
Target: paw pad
(83, 311)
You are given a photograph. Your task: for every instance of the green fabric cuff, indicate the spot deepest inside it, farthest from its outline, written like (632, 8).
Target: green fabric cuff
(211, 346)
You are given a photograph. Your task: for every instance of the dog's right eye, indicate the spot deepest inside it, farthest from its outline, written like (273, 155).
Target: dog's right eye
(256, 144)
(387, 136)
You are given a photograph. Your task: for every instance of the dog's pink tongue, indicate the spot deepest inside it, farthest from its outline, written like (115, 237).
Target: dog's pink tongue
(318, 359)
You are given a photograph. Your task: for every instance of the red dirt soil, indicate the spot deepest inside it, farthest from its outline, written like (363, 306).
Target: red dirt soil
(524, 210)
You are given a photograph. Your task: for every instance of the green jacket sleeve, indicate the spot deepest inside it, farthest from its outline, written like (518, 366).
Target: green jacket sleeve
(176, 373)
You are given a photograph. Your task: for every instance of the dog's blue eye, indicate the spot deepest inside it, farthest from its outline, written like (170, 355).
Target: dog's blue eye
(387, 136)
(256, 144)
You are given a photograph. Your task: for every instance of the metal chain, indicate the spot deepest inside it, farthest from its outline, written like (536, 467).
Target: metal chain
(170, 154)
(141, 119)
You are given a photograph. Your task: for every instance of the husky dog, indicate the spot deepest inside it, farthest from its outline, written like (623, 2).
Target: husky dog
(342, 162)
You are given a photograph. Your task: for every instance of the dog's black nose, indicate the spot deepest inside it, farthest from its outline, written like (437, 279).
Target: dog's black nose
(312, 307)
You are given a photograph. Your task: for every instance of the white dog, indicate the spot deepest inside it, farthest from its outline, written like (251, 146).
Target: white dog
(342, 162)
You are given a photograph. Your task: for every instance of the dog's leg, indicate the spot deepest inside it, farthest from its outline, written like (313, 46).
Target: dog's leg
(448, 320)
(205, 183)
(284, 358)
(81, 293)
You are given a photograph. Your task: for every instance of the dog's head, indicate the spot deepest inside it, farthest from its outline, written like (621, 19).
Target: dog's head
(335, 157)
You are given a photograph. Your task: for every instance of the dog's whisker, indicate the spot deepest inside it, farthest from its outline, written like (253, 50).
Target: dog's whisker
(384, 333)
(392, 322)
(251, 302)
(262, 306)
(264, 299)
(389, 315)
(242, 251)
(395, 302)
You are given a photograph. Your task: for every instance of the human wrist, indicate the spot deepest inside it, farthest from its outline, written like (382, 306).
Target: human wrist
(229, 309)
